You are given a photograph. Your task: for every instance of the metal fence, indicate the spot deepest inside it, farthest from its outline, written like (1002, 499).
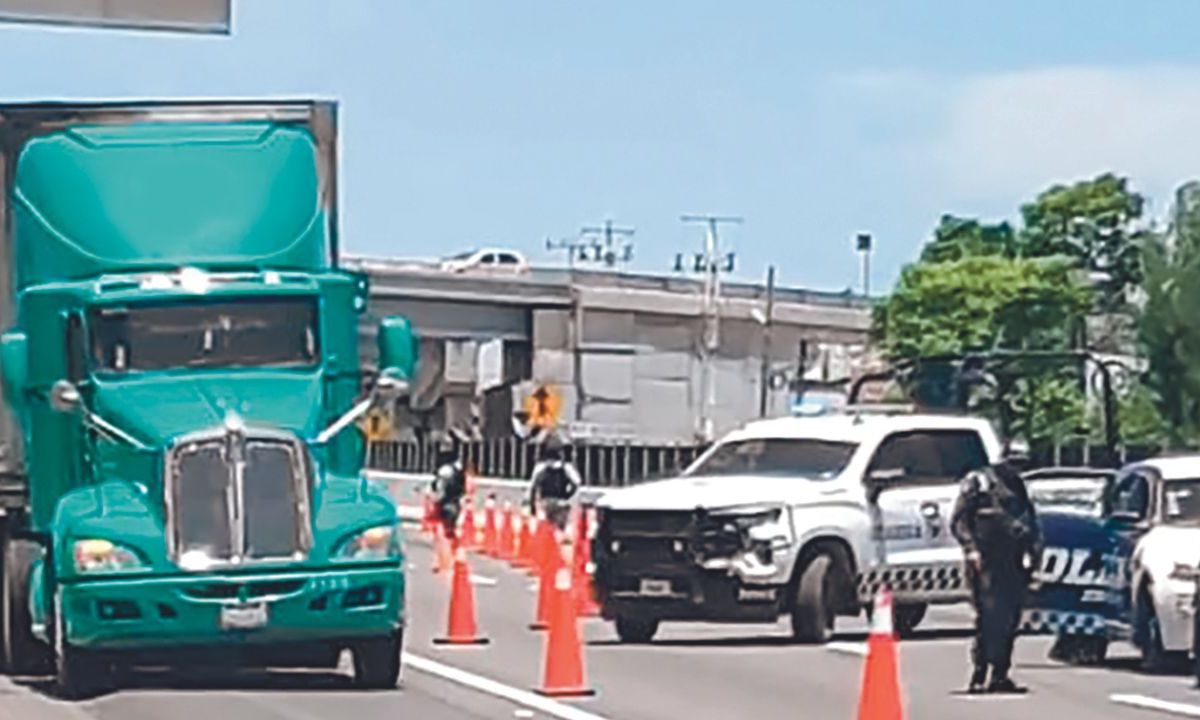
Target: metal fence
(600, 465)
(1085, 454)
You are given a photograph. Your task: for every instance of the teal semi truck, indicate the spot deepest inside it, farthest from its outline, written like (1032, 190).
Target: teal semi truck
(181, 467)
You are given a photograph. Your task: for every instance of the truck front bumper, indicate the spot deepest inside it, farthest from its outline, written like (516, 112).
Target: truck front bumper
(332, 605)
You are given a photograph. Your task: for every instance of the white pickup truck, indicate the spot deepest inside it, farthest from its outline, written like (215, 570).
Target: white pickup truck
(807, 517)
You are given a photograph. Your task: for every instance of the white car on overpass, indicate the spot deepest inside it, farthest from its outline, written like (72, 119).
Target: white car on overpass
(806, 517)
(488, 260)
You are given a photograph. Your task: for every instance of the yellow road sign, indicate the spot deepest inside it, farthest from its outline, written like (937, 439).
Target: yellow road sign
(543, 407)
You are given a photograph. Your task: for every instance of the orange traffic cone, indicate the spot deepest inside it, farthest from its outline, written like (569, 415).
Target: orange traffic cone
(544, 544)
(545, 601)
(442, 557)
(460, 625)
(523, 555)
(470, 535)
(582, 566)
(491, 547)
(426, 514)
(506, 549)
(563, 676)
(880, 699)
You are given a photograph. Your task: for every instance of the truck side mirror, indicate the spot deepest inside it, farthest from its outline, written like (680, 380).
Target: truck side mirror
(14, 365)
(64, 396)
(397, 348)
(880, 479)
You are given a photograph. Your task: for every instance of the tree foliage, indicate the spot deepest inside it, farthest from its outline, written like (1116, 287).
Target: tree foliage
(1169, 326)
(1095, 223)
(958, 238)
(980, 303)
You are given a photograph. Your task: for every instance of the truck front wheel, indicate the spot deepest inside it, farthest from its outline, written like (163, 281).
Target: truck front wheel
(22, 653)
(377, 662)
(80, 674)
(812, 608)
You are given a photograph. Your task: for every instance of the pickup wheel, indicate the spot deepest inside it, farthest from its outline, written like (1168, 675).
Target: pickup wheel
(812, 610)
(377, 662)
(1148, 631)
(908, 616)
(22, 653)
(636, 630)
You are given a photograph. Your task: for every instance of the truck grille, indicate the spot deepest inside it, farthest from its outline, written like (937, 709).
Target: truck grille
(232, 501)
(644, 523)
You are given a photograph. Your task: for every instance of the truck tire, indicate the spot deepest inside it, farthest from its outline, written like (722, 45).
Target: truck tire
(23, 653)
(1083, 650)
(79, 673)
(812, 611)
(377, 662)
(638, 631)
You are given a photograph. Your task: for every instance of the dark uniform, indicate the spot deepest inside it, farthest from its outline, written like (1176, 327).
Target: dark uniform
(996, 525)
(553, 484)
(449, 487)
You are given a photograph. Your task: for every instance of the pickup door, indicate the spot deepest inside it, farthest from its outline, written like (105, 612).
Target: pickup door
(912, 513)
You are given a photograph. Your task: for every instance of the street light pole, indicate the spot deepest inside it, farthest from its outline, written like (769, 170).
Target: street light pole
(768, 324)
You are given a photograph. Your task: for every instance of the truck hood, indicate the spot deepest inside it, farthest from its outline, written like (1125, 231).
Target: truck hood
(688, 493)
(159, 408)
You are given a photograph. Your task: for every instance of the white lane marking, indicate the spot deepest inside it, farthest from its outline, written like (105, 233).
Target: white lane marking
(849, 648)
(500, 690)
(523, 714)
(485, 581)
(1149, 703)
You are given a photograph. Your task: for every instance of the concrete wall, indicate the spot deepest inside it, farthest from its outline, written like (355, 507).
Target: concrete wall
(623, 352)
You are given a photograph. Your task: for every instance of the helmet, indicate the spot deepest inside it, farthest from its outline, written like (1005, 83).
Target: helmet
(552, 447)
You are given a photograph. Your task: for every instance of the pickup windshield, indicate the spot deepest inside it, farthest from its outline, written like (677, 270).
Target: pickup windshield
(803, 457)
(247, 332)
(1181, 501)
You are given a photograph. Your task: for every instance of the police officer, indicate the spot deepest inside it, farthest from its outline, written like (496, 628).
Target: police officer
(554, 482)
(996, 525)
(449, 486)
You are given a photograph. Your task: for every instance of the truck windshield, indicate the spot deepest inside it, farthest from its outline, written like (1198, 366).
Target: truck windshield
(805, 457)
(247, 332)
(1181, 501)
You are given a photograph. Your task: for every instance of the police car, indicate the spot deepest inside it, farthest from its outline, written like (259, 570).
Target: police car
(1126, 569)
(807, 517)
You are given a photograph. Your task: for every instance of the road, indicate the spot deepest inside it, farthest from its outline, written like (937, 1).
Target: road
(691, 671)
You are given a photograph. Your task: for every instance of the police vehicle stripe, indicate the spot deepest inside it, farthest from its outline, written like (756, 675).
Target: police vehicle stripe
(1060, 622)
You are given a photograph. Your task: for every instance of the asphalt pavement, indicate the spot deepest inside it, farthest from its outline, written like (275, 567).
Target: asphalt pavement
(690, 672)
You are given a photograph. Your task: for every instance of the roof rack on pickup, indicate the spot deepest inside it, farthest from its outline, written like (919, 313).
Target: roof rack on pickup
(880, 409)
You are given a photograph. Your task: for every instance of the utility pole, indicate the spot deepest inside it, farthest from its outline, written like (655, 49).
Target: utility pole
(617, 248)
(709, 263)
(862, 244)
(768, 323)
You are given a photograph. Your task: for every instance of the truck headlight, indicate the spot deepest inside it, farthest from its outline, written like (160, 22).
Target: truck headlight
(377, 543)
(94, 555)
(762, 525)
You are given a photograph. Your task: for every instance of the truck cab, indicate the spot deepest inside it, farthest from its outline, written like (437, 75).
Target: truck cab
(182, 378)
(806, 517)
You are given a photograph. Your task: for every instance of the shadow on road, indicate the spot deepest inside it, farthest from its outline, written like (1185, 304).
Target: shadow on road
(206, 679)
(777, 640)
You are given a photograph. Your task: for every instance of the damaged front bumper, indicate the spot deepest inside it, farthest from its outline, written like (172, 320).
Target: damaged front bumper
(692, 566)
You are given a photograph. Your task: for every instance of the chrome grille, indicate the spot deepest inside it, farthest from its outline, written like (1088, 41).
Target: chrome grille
(234, 498)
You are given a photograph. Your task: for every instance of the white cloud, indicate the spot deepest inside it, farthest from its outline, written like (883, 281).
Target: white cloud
(1009, 135)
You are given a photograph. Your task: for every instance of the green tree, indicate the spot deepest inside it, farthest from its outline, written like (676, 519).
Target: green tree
(980, 303)
(1094, 222)
(956, 238)
(1169, 325)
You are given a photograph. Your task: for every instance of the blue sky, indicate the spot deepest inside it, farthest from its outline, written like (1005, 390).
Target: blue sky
(469, 123)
